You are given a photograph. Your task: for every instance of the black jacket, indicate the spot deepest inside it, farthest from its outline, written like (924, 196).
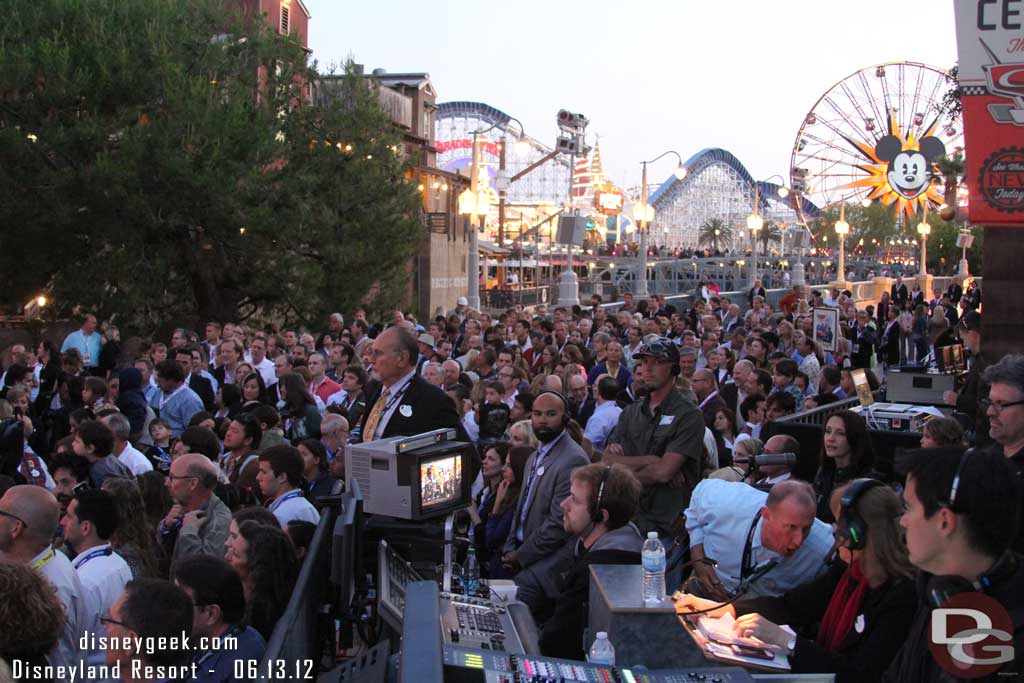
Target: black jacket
(422, 408)
(562, 633)
(886, 614)
(203, 389)
(864, 340)
(915, 663)
(828, 478)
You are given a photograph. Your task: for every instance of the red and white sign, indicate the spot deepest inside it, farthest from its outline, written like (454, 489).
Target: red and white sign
(609, 200)
(990, 40)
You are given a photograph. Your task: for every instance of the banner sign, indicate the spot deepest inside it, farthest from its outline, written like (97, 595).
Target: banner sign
(990, 42)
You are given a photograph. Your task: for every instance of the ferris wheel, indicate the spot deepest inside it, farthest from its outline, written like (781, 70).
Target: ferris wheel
(874, 136)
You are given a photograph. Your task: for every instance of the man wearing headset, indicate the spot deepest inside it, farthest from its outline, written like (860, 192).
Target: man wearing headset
(660, 439)
(960, 519)
(596, 515)
(538, 534)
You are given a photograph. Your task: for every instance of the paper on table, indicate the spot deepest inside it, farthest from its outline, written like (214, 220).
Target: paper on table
(720, 630)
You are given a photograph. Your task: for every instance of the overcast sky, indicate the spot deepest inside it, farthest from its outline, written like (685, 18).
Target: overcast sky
(651, 76)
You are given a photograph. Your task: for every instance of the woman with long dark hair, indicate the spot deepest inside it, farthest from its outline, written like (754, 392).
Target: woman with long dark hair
(502, 510)
(133, 539)
(723, 426)
(254, 391)
(852, 619)
(265, 561)
(845, 455)
(491, 469)
(300, 415)
(314, 473)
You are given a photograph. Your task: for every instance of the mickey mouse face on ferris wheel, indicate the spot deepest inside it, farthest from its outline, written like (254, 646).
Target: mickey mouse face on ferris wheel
(909, 170)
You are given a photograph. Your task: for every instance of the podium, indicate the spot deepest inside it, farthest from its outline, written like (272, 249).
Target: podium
(641, 635)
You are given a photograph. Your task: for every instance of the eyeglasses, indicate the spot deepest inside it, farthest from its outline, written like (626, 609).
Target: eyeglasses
(4, 513)
(174, 477)
(987, 403)
(106, 621)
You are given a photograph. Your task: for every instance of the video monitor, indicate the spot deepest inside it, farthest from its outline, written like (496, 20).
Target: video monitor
(950, 359)
(863, 387)
(440, 481)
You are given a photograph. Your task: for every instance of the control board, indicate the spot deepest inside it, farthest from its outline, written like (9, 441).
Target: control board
(393, 574)
(478, 623)
(466, 665)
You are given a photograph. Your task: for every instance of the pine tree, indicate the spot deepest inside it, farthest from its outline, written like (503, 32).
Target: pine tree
(158, 162)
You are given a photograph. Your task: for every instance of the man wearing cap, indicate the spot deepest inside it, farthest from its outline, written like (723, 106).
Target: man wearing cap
(426, 345)
(660, 438)
(974, 389)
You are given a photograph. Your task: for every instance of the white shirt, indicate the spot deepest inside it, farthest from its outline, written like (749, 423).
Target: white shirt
(134, 460)
(103, 574)
(266, 369)
(57, 569)
(471, 427)
(601, 423)
(293, 505)
(719, 518)
(394, 398)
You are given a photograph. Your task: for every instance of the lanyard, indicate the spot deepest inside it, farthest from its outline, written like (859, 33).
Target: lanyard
(45, 560)
(288, 496)
(81, 562)
(165, 398)
(747, 566)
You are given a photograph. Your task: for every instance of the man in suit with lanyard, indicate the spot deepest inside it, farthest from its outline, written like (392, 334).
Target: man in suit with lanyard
(537, 534)
(404, 404)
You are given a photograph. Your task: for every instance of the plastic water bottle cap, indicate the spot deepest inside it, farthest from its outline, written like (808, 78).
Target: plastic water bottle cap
(652, 534)
(602, 635)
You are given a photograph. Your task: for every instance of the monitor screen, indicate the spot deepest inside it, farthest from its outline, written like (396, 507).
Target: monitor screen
(863, 387)
(440, 480)
(951, 358)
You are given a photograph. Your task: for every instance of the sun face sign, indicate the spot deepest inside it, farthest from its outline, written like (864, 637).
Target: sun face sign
(899, 169)
(909, 171)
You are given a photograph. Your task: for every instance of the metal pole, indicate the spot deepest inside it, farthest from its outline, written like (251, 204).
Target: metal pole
(753, 239)
(641, 282)
(568, 285)
(473, 269)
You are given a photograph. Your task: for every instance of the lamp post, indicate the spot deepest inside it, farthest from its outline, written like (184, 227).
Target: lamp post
(475, 203)
(754, 224)
(644, 215)
(923, 229)
(842, 230)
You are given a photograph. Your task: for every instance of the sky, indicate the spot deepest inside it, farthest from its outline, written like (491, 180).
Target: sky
(650, 75)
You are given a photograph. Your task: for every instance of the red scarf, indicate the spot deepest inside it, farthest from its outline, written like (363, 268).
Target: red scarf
(843, 608)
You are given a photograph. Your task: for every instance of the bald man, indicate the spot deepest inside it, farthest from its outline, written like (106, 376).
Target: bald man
(198, 522)
(552, 383)
(706, 389)
(29, 516)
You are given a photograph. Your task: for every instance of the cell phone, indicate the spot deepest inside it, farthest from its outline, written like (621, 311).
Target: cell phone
(753, 652)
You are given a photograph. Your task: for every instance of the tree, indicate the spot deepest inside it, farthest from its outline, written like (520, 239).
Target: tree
(768, 234)
(168, 147)
(715, 233)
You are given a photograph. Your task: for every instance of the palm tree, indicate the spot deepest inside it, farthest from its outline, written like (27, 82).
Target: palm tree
(715, 233)
(952, 168)
(769, 233)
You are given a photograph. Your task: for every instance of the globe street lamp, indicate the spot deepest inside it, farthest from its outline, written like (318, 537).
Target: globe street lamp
(923, 229)
(754, 224)
(842, 230)
(643, 214)
(475, 203)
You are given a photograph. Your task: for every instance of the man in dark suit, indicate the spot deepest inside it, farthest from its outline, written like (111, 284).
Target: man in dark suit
(404, 404)
(537, 539)
(899, 294)
(703, 384)
(196, 382)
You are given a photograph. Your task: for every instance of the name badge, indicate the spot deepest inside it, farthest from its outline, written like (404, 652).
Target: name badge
(666, 420)
(405, 410)
(540, 471)
(859, 624)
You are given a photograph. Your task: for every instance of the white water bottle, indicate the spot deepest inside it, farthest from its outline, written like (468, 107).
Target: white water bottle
(653, 570)
(602, 652)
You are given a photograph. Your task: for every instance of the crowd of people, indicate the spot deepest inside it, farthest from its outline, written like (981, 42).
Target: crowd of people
(138, 472)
